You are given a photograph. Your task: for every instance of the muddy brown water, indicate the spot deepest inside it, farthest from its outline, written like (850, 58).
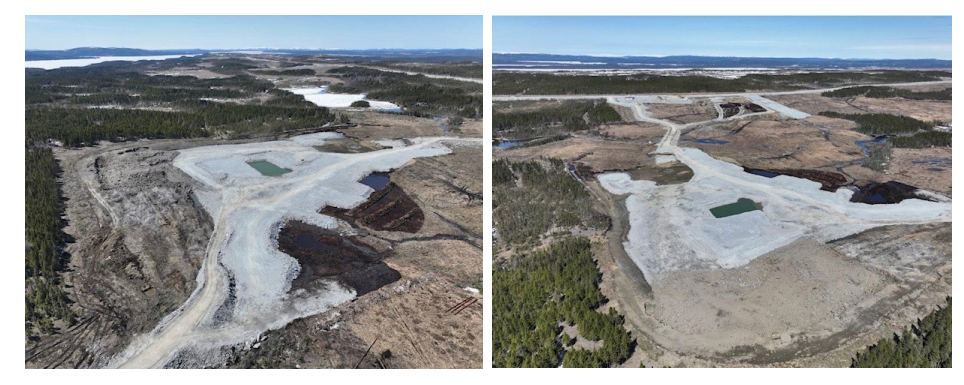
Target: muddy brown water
(324, 253)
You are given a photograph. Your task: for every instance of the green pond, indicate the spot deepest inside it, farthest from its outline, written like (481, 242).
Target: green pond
(268, 169)
(741, 206)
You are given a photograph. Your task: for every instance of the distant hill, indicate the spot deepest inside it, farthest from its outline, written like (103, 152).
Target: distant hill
(91, 52)
(431, 55)
(531, 61)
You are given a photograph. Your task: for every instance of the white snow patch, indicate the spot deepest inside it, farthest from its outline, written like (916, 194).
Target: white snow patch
(671, 227)
(54, 64)
(321, 97)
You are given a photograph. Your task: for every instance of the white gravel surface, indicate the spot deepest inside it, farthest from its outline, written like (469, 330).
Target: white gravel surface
(248, 210)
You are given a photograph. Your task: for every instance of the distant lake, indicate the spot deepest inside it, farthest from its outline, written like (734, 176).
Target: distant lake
(54, 64)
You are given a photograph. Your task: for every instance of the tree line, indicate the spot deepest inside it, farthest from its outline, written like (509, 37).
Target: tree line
(463, 69)
(532, 197)
(553, 119)
(882, 124)
(925, 344)
(81, 107)
(905, 132)
(290, 72)
(511, 83)
(536, 293)
(878, 92)
(45, 298)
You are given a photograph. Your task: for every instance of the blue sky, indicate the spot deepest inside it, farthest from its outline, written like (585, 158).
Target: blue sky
(820, 36)
(214, 32)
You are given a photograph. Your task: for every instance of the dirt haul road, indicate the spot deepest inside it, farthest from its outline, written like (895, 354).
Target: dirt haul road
(247, 207)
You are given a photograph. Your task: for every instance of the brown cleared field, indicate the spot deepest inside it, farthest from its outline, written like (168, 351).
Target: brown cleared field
(648, 132)
(927, 168)
(699, 111)
(598, 154)
(375, 125)
(779, 143)
(926, 110)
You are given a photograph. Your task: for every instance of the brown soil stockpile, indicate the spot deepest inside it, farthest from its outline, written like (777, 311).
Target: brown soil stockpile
(388, 209)
(324, 253)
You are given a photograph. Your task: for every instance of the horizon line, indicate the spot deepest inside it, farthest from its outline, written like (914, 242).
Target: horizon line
(710, 56)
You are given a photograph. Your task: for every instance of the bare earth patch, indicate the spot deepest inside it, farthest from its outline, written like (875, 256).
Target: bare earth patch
(647, 132)
(596, 153)
(927, 168)
(780, 143)
(699, 111)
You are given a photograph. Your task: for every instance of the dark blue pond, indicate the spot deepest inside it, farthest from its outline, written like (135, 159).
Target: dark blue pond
(507, 143)
(376, 180)
(874, 199)
(941, 162)
(707, 141)
(762, 173)
(865, 144)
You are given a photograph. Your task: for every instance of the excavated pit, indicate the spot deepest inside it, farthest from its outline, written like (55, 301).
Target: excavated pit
(872, 193)
(829, 181)
(387, 209)
(324, 253)
(884, 193)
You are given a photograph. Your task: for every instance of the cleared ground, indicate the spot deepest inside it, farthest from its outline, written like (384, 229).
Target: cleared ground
(596, 153)
(926, 110)
(807, 281)
(131, 273)
(684, 113)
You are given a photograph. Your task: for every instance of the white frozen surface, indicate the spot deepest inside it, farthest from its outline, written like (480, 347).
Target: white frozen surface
(248, 210)
(321, 97)
(774, 106)
(54, 64)
(671, 227)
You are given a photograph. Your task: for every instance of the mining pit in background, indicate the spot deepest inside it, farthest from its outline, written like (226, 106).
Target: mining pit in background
(324, 253)
(731, 109)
